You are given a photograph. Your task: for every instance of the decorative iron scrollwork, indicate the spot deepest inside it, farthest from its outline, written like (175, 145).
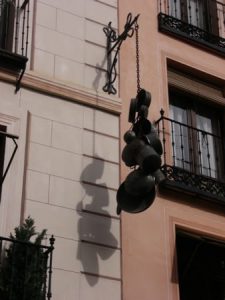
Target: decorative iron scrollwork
(200, 185)
(114, 42)
(180, 28)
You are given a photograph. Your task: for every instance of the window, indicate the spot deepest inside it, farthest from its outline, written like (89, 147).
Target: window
(200, 13)
(196, 135)
(7, 15)
(191, 12)
(201, 266)
(2, 154)
(198, 22)
(14, 37)
(192, 135)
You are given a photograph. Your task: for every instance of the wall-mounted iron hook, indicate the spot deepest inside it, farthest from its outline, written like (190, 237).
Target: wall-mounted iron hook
(114, 42)
(13, 138)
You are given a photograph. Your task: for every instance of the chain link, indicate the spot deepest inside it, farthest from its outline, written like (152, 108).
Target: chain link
(137, 58)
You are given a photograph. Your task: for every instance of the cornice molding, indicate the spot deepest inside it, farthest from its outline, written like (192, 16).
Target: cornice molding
(82, 95)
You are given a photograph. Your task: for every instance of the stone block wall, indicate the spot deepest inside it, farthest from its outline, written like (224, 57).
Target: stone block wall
(69, 42)
(66, 171)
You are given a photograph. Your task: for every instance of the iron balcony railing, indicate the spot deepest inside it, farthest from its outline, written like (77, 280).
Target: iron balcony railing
(199, 21)
(192, 159)
(14, 26)
(25, 270)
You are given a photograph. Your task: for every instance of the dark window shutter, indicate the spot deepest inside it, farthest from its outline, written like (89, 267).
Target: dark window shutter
(184, 13)
(10, 28)
(212, 17)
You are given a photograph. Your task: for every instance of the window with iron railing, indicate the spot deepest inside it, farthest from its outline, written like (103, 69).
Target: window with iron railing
(193, 146)
(199, 13)
(199, 21)
(14, 36)
(14, 26)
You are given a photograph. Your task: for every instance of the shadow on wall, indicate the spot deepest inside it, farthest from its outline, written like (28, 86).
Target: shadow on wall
(100, 72)
(96, 241)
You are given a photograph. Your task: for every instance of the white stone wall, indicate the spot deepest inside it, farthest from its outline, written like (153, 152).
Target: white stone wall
(69, 42)
(67, 164)
(71, 176)
(67, 169)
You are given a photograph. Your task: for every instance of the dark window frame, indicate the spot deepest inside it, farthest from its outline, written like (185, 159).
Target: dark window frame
(2, 155)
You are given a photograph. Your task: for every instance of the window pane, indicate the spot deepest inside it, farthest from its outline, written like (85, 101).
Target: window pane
(175, 8)
(189, 11)
(180, 138)
(7, 15)
(206, 145)
(196, 13)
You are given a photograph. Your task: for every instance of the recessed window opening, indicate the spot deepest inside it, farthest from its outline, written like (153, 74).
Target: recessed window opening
(201, 266)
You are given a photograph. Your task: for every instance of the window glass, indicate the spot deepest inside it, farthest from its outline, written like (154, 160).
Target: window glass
(196, 13)
(190, 11)
(180, 137)
(207, 158)
(175, 9)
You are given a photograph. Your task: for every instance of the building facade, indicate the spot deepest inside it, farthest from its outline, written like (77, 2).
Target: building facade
(65, 171)
(67, 168)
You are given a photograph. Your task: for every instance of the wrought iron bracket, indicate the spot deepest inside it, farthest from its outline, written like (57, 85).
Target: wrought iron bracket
(14, 138)
(114, 42)
(18, 81)
(14, 62)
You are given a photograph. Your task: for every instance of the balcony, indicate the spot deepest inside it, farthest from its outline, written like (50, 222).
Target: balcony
(14, 33)
(199, 22)
(193, 161)
(25, 270)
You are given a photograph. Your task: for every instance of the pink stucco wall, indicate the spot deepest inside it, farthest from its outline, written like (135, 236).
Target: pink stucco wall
(148, 238)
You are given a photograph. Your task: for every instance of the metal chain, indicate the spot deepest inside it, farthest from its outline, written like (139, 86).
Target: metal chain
(137, 58)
